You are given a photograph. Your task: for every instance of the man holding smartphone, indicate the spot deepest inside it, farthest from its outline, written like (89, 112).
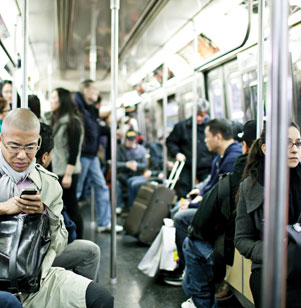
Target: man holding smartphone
(19, 142)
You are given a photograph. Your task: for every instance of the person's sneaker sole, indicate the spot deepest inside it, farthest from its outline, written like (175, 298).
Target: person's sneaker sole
(173, 283)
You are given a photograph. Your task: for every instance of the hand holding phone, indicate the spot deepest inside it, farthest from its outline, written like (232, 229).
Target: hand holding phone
(30, 201)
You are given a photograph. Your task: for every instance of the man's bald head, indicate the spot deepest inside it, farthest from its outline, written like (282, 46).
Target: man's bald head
(22, 119)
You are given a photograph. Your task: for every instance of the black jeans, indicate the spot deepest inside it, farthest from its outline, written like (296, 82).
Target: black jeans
(98, 297)
(184, 184)
(293, 290)
(71, 203)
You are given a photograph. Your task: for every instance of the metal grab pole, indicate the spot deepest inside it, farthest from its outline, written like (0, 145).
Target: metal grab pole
(114, 80)
(260, 68)
(93, 53)
(165, 72)
(276, 169)
(194, 113)
(14, 89)
(24, 101)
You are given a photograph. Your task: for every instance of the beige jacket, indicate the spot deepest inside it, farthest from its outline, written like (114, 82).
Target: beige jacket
(56, 283)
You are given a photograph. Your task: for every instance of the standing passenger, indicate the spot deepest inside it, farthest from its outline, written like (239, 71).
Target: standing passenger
(68, 139)
(249, 224)
(6, 91)
(179, 145)
(89, 160)
(4, 109)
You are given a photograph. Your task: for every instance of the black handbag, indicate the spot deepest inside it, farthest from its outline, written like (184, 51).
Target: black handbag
(24, 242)
(294, 251)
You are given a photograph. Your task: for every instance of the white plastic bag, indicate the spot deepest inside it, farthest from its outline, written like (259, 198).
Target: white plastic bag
(161, 254)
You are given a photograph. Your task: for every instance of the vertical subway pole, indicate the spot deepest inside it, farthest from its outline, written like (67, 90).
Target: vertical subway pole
(260, 68)
(194, 112)
(165, 73)
(24, 101)
(14, 88)
(93, 61)
(276, 169)
(114, 81)
(93, 53)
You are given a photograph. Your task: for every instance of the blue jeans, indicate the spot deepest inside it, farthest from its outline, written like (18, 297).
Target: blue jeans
(198, 270)
(8, 300)
(134, 184)
(91, 167)
(182, 219)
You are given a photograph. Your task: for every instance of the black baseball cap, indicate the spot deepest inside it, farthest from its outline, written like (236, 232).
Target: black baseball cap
(131, 135)
(249, 132)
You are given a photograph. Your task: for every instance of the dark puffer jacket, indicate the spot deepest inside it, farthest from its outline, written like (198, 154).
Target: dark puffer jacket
(92, 128)
(215, 215)
(180, 141)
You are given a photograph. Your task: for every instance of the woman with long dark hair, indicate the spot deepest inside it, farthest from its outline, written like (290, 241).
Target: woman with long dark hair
(250, 211)
(68, 137)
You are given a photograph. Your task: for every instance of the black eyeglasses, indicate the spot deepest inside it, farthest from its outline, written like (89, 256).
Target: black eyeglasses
(291, 144)
(29, 149)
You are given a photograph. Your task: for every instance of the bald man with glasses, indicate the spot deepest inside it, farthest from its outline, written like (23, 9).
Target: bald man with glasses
(19, 142)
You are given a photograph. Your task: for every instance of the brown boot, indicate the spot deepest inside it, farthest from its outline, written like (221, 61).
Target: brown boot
(223, 293)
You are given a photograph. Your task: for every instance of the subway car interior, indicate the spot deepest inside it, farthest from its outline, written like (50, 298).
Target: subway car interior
(150, 62)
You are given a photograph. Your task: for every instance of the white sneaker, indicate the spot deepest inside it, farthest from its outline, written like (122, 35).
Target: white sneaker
(188, 304)
(118, 210)
(108, 228)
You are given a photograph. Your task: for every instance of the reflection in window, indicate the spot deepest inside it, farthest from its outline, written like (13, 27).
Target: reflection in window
(171, 115)
(216, 98)
(237, 113)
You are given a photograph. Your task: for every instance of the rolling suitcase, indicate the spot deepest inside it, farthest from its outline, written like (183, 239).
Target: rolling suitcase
(151, 205)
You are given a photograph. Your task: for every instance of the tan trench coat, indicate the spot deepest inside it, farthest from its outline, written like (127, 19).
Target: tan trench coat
(59, 288)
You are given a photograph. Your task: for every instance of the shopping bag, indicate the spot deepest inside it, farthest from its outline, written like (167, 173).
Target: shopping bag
(149, 264)
(168, 260)
(162, 252)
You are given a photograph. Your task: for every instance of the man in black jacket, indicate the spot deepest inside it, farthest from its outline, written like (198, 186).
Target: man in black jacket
(179, 145)
(213, 223)
(90, 164)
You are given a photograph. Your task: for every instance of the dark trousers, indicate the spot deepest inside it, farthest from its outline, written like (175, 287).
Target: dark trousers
(71, 203)
(184, 184)
(98, 297)
(293, 290)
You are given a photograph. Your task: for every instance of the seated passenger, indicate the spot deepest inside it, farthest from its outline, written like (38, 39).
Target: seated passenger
(19, 143)
(250, 212)
(155, 172)
(8, 300)
(131, 161)
(80, 256)
(213, 220)
(219, 139)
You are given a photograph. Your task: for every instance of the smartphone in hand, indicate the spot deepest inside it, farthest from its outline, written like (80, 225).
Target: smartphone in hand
(28, 191)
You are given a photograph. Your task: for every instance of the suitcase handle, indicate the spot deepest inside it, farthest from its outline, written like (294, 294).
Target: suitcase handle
(174, 174)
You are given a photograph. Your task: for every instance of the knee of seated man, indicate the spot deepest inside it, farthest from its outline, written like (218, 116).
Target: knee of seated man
(92, 248)
(178, 218)
(98, 297)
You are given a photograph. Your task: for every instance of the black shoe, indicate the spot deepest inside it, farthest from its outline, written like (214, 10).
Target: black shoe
(174, 278)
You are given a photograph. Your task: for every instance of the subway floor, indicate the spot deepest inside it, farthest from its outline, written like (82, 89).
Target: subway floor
(133, 289)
